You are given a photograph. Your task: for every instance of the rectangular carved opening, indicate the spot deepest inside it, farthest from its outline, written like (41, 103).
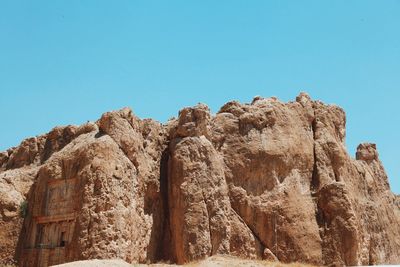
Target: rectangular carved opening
(39, 234)
(63, 240)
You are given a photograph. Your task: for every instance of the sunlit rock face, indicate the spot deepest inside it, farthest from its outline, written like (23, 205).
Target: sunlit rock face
(265, 180)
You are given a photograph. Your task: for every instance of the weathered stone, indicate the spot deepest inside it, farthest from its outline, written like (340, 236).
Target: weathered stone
(3, 159)
(14, 187)
(24, 154)
(266, 180)
(367, 152)
(269, 256)
(193, 121)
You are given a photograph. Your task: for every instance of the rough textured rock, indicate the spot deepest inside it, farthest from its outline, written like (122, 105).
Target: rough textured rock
(265, 180)
(14, 186)
(202, 221)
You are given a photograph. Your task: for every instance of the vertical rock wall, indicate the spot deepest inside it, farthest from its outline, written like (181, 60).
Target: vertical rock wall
(266, 180)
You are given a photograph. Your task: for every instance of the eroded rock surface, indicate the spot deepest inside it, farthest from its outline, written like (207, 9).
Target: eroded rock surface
(266, 180)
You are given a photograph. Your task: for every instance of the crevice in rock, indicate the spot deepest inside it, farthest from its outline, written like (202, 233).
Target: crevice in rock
(314, 187)
(99, 134)
(156, 206)
(257, 238)
(314, 178)
(337, 177)
(134, 162)
(257, 229)
(163, 251)
(209, 223)
(23, 234)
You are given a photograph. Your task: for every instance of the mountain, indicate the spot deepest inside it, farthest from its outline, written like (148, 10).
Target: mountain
(266, 180)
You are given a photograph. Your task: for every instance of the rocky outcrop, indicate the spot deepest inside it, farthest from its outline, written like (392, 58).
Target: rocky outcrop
(266, 180)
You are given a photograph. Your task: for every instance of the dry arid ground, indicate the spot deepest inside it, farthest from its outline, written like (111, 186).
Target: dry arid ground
(214, 261)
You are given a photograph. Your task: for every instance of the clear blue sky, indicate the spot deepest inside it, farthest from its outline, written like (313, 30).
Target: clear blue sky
(66, 62)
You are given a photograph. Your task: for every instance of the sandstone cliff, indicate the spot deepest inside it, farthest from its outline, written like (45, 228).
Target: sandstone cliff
(266, 180)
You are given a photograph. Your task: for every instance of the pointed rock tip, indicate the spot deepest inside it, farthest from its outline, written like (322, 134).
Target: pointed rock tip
(126, 110)
(192, 121)
(258, 98)
(367, 152)
(122, 111)
(198, 106)
(202, 106)
(303, 96)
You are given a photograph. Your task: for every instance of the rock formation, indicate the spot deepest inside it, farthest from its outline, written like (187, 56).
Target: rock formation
(266, 180)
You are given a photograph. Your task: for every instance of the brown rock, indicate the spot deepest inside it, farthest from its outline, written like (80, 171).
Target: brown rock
(193, 121)
(198, 200)
(202, 221)
(367, 152)
(14, 186)
(24, 154)
(3, 159)
(266, 180)
(269, 256)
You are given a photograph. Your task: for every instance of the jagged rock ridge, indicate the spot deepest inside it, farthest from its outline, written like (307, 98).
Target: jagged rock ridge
(266, 180)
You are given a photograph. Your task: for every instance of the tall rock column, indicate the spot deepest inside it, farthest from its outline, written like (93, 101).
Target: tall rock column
(202, 221)
(336, 215)
(198, 201)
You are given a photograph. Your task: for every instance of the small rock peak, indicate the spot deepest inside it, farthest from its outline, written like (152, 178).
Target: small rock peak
(367, 152)
(87, 128)
(233, 107)
(193, 121)
(256, 98)
(202, 106)
(303, 97)
(126, 111)
(128, 114)
(199, 110)
(62, 131)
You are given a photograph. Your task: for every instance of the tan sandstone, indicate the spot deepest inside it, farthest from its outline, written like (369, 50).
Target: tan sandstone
(263, 181)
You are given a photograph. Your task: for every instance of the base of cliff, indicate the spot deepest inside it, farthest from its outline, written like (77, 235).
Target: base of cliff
(214, 261)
